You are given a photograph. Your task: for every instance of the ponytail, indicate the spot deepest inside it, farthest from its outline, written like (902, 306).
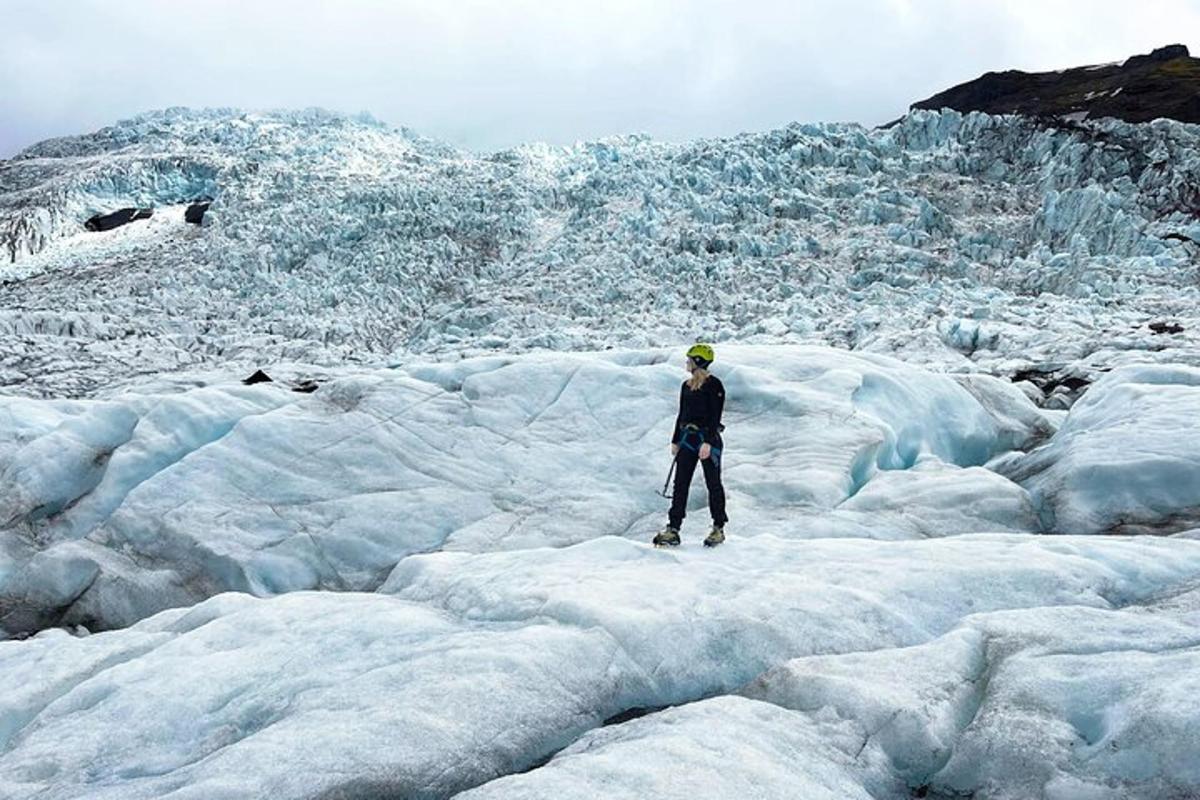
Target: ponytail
(697, 379)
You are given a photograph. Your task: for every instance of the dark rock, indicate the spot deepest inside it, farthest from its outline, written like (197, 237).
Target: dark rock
(1035, 376)
(629, 714)
(258, 377)
(106, 222)
(1168, 53)
(1165, 83)
(1053, 382)
(1166, 327)
(307, 387)
(1072, 384)
(195, 212)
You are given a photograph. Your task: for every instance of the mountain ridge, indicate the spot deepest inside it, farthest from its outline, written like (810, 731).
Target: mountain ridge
(1164, 84)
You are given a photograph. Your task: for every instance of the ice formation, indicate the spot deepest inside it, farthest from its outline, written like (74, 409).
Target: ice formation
(117, 508)
(973, 242)
(467, 667)
(1127, 458)
(951, 427)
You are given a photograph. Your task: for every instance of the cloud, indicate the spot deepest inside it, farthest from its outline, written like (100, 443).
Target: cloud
(487, 75)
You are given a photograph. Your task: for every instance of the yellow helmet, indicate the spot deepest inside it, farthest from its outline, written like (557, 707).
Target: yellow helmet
(702, 354)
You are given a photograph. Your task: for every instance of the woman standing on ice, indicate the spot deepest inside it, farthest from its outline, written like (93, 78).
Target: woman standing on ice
(697, 438)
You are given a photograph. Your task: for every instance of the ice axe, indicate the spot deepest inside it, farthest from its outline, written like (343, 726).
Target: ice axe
(666, 485)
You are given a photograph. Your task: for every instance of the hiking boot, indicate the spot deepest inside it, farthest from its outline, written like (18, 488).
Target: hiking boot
(668, 536)
(715, 536)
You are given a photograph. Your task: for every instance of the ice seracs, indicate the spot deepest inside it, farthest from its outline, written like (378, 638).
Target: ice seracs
(967, 242)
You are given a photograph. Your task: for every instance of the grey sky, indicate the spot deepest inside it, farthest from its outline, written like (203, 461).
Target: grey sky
(487, 75)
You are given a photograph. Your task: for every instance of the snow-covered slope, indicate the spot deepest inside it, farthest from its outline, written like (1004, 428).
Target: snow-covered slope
(945, 239)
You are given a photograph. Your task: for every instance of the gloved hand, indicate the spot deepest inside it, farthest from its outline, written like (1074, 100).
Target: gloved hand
(674, 449)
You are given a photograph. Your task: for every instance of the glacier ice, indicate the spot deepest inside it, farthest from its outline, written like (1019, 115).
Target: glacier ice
(471, 666)
(308, 695)
(994, 242)
(1052, 702)
(1125, 459)
(720, 748)
(470, 501)
(164, 499)
(710, 624)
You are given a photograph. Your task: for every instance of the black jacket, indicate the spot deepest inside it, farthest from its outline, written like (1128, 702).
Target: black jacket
(701, 408)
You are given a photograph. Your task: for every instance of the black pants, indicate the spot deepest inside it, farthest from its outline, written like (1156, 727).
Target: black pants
(685, 468)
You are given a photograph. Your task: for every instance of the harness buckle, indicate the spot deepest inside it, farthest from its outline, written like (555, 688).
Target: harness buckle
(686, 432)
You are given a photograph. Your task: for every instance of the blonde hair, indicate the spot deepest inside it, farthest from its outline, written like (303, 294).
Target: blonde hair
(699, 376)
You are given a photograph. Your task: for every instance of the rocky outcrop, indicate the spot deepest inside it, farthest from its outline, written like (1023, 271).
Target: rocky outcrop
(1165, 83)
(106, 222)
(195, 211)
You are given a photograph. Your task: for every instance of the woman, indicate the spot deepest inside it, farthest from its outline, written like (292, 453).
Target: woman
(697, 438)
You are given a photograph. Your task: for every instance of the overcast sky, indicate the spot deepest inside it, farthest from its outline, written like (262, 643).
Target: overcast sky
(487, 75)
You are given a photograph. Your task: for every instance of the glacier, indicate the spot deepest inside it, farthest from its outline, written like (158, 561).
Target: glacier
(961, 463)
(979, 243)
(146, 500)
(435, 578)
(466, 667)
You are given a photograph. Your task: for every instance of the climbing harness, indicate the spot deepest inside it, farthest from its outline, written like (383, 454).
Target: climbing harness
(685, 440)
(691, 433)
